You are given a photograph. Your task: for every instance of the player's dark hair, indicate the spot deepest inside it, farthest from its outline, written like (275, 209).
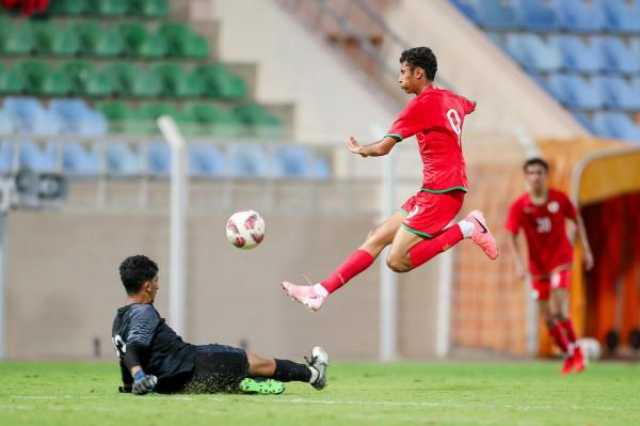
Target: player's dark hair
(422, 57)
(533, 161)
(135, 271)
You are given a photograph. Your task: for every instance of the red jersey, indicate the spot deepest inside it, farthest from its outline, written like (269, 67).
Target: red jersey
(436, 117)
(544, 227)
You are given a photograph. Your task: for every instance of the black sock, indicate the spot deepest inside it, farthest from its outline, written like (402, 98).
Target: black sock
(288, 371)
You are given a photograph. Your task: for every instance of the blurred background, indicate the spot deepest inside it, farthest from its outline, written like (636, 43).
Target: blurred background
(265, 93)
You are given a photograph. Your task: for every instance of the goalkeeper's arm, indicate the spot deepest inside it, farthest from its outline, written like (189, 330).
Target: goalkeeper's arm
(142, 383)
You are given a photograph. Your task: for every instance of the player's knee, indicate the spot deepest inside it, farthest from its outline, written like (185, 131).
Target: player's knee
(398, 264)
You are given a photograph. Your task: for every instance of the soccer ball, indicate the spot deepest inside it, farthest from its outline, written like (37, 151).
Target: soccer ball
(591, 348)
(245, 229)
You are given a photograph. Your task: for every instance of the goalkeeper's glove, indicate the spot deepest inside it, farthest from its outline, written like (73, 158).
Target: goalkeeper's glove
(143, 383)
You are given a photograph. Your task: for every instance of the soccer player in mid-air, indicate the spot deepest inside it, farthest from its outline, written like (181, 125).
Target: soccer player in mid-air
(154, 358)
(424, 227)
(541, 212)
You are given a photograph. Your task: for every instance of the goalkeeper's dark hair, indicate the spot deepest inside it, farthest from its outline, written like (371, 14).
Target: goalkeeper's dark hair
(422, 57)
(135, 271)
(535, 161)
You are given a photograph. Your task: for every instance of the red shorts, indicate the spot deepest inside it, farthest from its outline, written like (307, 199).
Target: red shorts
(542, 285)
(428, 214)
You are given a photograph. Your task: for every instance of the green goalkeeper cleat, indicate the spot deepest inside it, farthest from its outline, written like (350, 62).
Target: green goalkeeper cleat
(261, 386)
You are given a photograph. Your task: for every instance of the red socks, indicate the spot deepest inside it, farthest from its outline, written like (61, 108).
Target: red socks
(356, 263)
(559, 337)
(428, 248)
(567, 326)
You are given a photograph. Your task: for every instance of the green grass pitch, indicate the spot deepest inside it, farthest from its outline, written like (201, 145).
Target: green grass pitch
(72, 394)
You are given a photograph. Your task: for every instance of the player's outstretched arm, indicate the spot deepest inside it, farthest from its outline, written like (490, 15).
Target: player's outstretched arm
(582, 233)
(376, 149)
(517, 257)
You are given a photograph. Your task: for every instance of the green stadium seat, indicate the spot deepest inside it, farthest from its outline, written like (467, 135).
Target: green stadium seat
(68, 7)
(220, 83)
(123, 74)
(145, 83)
(177, 82)
(34, 73)
(12, 81)
(55, 39)
(150, 8)
(100, 84)
(117, 112)
(213, 120)
(141, 43)
(151, 111)
(183, 41)
(79, 73)
(55, 83)
(17, 40)
(259, 119)
(100, 41)
(111, 7)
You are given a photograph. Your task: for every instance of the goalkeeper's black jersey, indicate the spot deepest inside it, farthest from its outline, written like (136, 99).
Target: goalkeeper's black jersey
(161, 351)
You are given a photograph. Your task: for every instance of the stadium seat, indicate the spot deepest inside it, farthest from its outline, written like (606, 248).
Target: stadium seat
(248, 161)
(498, 14)
(79, 160)
(55, 83)
(17, 39)
(69, 7)
(6, 123)
(141, 43)
(145, 84)
(28, 116)
(158, 158)
(617, 125)
(623, 15)
(7, 156)
(150, 8)
(78, 73)
(220, 83)
(12, 82)
(619, 56)
(78, 118)
(151, 111)
(579, 56)
(100, 84)
(540, 15)
(263, 123)
(582, 16)
(123, 74)
(122, 160)
(111, 7)
(39, 158)
(34, 73)
(619, 94)
(53, 39)
(205, 160)
(293, 162)
(178, 83)
(212, 120)
(97, 40)
(533, 53)
(581, 94)
(183, 41)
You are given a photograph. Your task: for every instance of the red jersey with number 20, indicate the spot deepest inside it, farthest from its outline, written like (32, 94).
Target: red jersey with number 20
(436, 117)
(544, 227)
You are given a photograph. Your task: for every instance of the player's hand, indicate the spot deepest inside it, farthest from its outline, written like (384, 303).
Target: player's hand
(143, 383)
(588, 260)
(354, 146)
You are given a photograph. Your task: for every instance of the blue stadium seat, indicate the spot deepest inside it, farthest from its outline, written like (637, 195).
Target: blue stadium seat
(6, 156)
(248, 161)
(23, 111)
(39, 158)
(79, 160)
(617, 125)
(498, 14)
(623, 15)
(122, 160)
(158, 158)
(79, 118)
(577, 93)
(585, 121)
(620, 57)
(533, 53)
(293, 162)
(555, 84)
(6, 123)
(582, 16)
(205, 160)
(540, 15)
(579, 56)
(619, 94)
(469, 8)
(91, 123)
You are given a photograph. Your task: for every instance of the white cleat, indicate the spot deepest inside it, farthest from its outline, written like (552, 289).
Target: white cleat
(305, 294)
(319, 361)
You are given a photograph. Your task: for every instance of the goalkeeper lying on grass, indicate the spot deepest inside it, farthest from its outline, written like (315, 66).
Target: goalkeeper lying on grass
(154, 358)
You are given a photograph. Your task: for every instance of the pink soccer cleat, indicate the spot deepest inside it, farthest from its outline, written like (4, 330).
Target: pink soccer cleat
(481, 234)
(305, 294)
(579, 363)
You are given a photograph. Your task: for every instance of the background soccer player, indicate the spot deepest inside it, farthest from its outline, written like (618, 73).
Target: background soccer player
(153, 357)
(541, 212)
(420, 231)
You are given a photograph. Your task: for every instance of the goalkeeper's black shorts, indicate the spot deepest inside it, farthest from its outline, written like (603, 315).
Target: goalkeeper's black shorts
(218, 368)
